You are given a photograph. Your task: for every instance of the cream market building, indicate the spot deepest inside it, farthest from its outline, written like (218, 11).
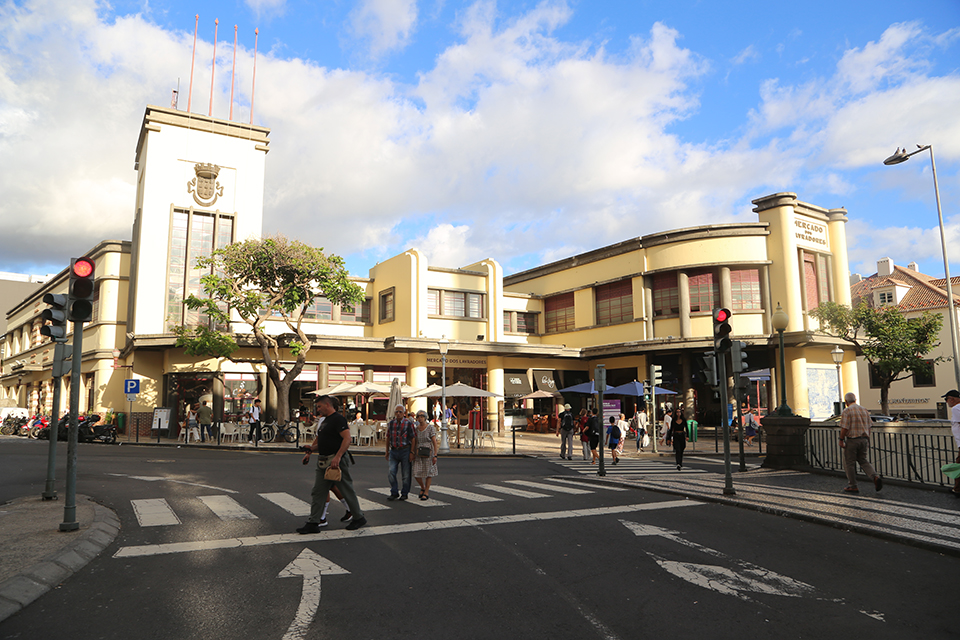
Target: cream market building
(646, 300)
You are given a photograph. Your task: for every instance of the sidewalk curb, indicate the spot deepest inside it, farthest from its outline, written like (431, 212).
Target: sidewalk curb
(19, 591)
(777, 511)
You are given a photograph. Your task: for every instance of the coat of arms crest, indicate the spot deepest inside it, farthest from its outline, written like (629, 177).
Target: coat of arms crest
(204, 187)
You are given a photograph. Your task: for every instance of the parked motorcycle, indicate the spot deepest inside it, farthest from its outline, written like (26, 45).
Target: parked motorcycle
(90, 431)
(62, 429)
(12, 425)
(37, 423)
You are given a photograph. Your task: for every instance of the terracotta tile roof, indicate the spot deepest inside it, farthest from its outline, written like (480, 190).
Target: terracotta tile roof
(925, 292)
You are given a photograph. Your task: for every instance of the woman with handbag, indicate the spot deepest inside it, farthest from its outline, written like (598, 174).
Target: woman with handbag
(425, 464)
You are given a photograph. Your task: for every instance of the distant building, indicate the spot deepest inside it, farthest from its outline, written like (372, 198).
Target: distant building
(14, 287)
(912, 293)
(641, 301)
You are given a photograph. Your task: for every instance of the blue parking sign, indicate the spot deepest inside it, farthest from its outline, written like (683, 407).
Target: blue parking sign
(131, 386)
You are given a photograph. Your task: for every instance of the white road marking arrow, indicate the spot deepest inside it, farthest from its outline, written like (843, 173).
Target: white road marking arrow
(746, 578)
(310, 566)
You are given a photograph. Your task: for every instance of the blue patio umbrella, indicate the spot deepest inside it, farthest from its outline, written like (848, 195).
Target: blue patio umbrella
(636, 389)
(584, 387)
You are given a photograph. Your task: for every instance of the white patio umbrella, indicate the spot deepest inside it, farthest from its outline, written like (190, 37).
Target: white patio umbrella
(335, 390)
(459, 390)
(426, 392)
(396, 397)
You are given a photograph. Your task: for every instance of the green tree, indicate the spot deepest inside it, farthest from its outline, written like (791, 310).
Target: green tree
(894, 345)
(267, 283)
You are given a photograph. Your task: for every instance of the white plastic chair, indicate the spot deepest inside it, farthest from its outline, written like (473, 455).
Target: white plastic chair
(308, 433)
(229, 430)
(354, 432)
(368, 433)
(186, 432)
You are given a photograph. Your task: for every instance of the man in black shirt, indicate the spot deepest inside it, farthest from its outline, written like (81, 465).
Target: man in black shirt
(331, 444)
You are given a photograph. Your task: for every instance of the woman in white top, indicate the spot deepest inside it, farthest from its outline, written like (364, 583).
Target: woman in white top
(665, 428)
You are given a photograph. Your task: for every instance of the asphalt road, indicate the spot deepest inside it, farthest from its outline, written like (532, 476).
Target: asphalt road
(601, 564)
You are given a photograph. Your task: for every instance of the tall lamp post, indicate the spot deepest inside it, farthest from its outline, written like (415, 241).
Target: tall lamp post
(899, 156)
(837, 355)
(780, 322)
(444, 441)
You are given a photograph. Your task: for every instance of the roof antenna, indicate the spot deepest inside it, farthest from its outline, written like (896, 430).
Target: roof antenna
(213, 68)
(253, 90)
(175, 96)
(233, 74)
(192, 58)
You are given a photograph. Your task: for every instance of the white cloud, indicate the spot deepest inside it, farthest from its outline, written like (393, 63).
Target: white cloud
(387, 24)
(748, 53)
(266, 7)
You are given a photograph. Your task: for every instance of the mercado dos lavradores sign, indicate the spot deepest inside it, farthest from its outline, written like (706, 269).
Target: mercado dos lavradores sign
(811, 233)
(463, 362)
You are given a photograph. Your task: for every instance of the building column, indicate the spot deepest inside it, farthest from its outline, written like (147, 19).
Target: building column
(683, 285)
(765, 299)
(494, 385)
(726, 293)
(686, 374)
(417, 378)
(648, 307)
(797, 391)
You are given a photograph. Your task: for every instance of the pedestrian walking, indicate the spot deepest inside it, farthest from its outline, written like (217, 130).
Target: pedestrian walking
(855, 441)
(665, 427)
(678, 435)
(565, 433)
(613, 438)
(593, 434)
(952, 398)
(205, 418)
(750, 425)
(624, 430)
(331, 444)
(400, 453)
(425, 465)
(641, 429)
(584, 433)
(256, 434)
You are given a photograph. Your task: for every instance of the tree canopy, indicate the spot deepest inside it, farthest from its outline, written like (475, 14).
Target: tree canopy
(894, 345)
(261, 281)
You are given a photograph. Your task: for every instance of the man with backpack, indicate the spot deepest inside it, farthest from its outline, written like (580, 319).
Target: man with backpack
(565, 433)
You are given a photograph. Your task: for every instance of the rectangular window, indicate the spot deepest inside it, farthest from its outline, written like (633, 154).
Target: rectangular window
(337, 373)
(614, 302)
(666, 294)
(874, 378)
(886, 297)
(359, 314)
(193, 235)
(319, 309)
(704, 292)
(507, 326)
(745, 289)
(559, 313)
(386, 305)
(88, 383)
(926, 378)
(455, 304)
(816, 279)
(526, 322)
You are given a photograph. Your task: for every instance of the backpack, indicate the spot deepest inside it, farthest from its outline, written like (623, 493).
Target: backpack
(614, 432)
(566, 421)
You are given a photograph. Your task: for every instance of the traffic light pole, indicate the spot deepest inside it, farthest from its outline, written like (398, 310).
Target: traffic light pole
(722, 375)
(70, 505)
(653, 410)
(50, 490)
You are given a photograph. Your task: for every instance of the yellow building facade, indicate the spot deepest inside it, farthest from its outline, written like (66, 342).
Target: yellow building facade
(647, 300)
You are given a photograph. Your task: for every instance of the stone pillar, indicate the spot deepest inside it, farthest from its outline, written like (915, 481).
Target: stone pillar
(494, 385)
(417, 377)
(648, 307)
(785, 441)
(683, 287)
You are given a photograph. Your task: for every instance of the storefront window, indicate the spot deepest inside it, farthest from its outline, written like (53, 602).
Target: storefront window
(239, 392)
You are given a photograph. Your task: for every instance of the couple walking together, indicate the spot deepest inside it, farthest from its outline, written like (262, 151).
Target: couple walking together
(412, 450)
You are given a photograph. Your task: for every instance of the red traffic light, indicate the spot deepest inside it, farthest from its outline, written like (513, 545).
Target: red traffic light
(83, 267)
(721, 315)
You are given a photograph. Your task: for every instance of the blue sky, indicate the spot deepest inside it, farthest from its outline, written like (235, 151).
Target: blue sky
(522, 131)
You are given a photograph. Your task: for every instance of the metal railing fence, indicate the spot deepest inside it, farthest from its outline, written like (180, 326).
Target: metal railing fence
(914, 457)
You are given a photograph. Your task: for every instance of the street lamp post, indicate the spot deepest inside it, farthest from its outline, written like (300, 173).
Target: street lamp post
(902, 156)
(837, 355)
(780, 322)
(444, 441)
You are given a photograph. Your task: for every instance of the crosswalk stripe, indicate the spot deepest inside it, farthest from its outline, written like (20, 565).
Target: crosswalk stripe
(154, 512)
(293, 506)
(423, 503)
(226, 508)
(548, 487)
(370, 505)
(605, 487)
(520, 493)
(466, 495)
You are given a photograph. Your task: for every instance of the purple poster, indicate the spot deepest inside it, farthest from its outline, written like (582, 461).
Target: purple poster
(611, 408)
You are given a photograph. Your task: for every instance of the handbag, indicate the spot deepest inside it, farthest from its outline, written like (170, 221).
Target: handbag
(332, 474)
(424, 452)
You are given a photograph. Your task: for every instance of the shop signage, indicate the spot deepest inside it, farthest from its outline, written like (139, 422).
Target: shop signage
(464, 362)
(908, 400)
(544, 380)
(811, 233)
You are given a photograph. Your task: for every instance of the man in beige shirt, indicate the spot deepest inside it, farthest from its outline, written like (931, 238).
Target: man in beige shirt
(855, 441)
